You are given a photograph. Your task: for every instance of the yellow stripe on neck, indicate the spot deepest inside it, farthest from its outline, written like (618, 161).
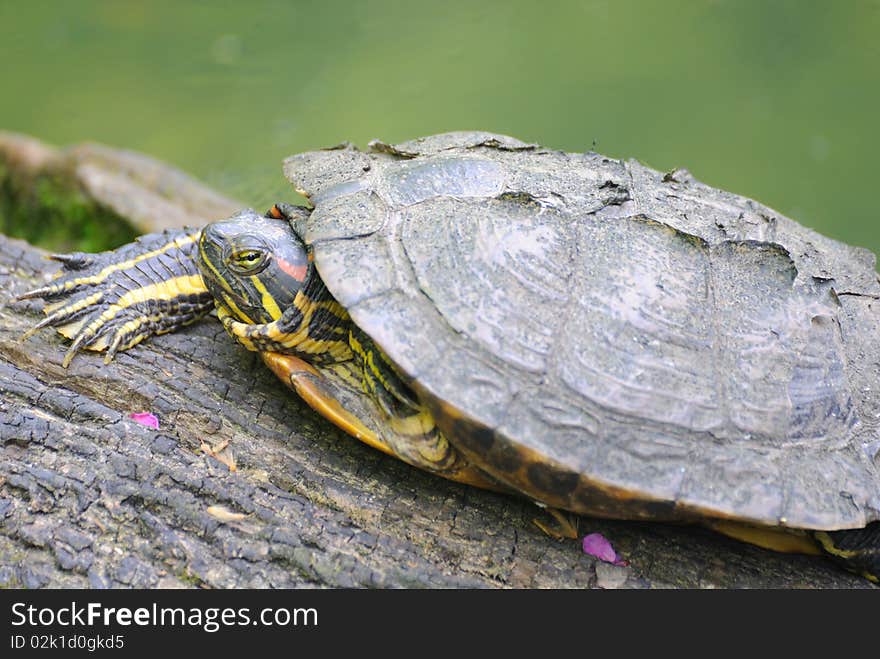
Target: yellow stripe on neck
(266, 298)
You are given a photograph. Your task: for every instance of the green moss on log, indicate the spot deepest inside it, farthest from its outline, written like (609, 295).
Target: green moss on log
(50, 210)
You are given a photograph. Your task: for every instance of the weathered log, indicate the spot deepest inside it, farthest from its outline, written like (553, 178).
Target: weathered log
(56, 195)
(88, 497)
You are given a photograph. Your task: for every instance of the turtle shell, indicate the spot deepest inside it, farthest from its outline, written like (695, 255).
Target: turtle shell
(607, 338)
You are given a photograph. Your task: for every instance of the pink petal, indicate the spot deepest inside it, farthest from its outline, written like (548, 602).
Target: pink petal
(145, 419)
(597, 545)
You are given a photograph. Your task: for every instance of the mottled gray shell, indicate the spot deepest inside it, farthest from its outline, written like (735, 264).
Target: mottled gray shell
(670, 342)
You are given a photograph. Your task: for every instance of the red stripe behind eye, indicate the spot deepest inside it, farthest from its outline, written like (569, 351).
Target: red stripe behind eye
(298, 272)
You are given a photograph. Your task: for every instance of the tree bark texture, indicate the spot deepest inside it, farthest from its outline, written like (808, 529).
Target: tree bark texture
(243, 485)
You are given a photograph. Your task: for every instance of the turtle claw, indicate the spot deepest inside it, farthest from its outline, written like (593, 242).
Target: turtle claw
(71, 352)
(43, 291)
(36, 328)
(562, 526)
(74, 260)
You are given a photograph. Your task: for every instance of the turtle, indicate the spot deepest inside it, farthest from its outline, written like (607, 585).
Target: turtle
(600, 337)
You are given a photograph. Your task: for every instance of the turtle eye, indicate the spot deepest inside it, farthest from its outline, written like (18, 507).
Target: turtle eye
(248, 260)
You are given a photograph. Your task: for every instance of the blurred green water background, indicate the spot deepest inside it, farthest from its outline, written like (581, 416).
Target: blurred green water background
(774, 99)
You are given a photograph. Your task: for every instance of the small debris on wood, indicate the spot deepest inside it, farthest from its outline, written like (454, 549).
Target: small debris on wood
(221, 452)
(145, 419)
(225, 515)
(596, 544)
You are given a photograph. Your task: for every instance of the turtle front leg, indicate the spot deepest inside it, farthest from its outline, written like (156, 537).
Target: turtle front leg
(113, 300)
(331, 395)
(336, 387)
(318, 394)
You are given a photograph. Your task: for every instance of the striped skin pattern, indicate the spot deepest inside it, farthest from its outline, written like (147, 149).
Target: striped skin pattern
(314, 327)
(113, 300)
(856, 549)
(406, 417)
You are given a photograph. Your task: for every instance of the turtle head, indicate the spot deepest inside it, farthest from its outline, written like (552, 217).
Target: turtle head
(253, 265)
